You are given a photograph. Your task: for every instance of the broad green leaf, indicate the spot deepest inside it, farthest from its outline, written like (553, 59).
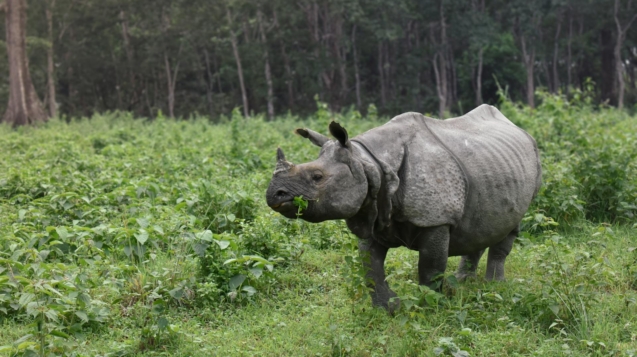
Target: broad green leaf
(236, 281)
(82, 315)
(223, 244)
(205, 236)
(142, 236)
(257, 272)
(176, 293)
(249, 290)
(62, 233)
(142, 222)
(162, 323)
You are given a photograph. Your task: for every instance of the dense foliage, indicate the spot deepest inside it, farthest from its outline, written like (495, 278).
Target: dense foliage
(130, 236)
(149, 56)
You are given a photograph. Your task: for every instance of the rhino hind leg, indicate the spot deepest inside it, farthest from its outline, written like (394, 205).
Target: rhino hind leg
(498, 254)
(468, 265)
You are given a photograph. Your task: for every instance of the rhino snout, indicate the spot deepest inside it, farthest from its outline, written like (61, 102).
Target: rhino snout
(280, 199)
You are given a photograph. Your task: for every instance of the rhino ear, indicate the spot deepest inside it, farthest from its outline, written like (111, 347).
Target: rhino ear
(316, 138)
(339, 133)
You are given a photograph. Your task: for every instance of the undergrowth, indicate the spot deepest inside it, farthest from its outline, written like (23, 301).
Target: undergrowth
(131, 228)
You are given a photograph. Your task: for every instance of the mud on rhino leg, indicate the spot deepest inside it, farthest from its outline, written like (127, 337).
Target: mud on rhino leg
(434, 252)
(498, 254)
(469, 265)
(373, 255)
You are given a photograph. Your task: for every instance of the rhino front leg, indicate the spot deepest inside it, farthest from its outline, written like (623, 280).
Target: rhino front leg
(434, 251)
(498, 254)
(373, 255)
(469, 265)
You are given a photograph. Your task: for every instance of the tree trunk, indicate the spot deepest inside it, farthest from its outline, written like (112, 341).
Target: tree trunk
(289, 81)
(440, 88)
(556, 78)
(50, 68)
(359, 104)
(440, 64)
(129, 58)
(619, 68)
(479, 77)
(237, 58)
(268, 73)
(171, 81)
(547, 74)
(569, 56)
(24, 106)
(529, 61)
(381, 75)
(210, 84)
(453, 80)
(608, 70)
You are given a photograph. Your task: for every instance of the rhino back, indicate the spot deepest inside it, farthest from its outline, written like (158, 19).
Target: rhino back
(502, 166)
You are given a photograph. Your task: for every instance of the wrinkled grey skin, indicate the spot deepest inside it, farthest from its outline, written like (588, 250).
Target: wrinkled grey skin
(441, 187)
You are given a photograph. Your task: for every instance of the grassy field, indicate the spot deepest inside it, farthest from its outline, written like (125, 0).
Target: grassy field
(121, 236)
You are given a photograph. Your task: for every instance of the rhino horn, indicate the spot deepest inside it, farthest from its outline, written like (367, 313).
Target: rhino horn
(282, 165)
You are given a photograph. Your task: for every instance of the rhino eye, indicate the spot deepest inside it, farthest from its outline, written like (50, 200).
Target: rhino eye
(317, 176)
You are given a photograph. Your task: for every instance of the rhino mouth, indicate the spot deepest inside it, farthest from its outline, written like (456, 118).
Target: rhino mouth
(281, 205)
(287, 209)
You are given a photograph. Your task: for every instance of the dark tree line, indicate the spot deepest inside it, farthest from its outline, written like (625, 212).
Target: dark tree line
(185, 56)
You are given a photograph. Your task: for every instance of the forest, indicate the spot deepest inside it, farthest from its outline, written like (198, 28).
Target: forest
(139, 139)
(207, 57)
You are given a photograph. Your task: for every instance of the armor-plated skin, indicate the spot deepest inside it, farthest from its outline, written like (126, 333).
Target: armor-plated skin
(441, 187)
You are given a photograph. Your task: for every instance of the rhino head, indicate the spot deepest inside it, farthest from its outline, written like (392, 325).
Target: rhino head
(335, 185)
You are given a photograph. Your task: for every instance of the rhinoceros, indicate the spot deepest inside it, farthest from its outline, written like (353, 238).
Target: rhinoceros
(441, 187)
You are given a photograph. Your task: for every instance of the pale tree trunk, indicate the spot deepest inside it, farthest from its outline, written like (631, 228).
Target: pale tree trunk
(268, 73)
(237, 58)
(171, 81)
(440, 87)
(440, 63)
(341, 57)
(547, 74)
(357, 78)
(381, 75)
(289, 81)
(479, 77)
(569, 56)
(619, 68)
(311, 11)
(529, 61)
(453, 80)
(390, 78)
(418, 72)
(443, 60)
(50, 68)
(210, 83)
(24, 106)
(556, 78)
(129, 57)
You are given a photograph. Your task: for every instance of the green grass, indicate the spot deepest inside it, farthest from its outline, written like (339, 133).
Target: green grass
(312, 314)
(131, 237)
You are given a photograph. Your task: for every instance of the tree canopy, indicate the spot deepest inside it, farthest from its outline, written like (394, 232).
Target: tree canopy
(181, 57)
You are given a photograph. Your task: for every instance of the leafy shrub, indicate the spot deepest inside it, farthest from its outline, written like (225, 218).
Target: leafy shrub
(589, 158)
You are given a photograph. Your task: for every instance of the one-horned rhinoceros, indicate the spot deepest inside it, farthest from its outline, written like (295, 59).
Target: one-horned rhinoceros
(441, 187)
